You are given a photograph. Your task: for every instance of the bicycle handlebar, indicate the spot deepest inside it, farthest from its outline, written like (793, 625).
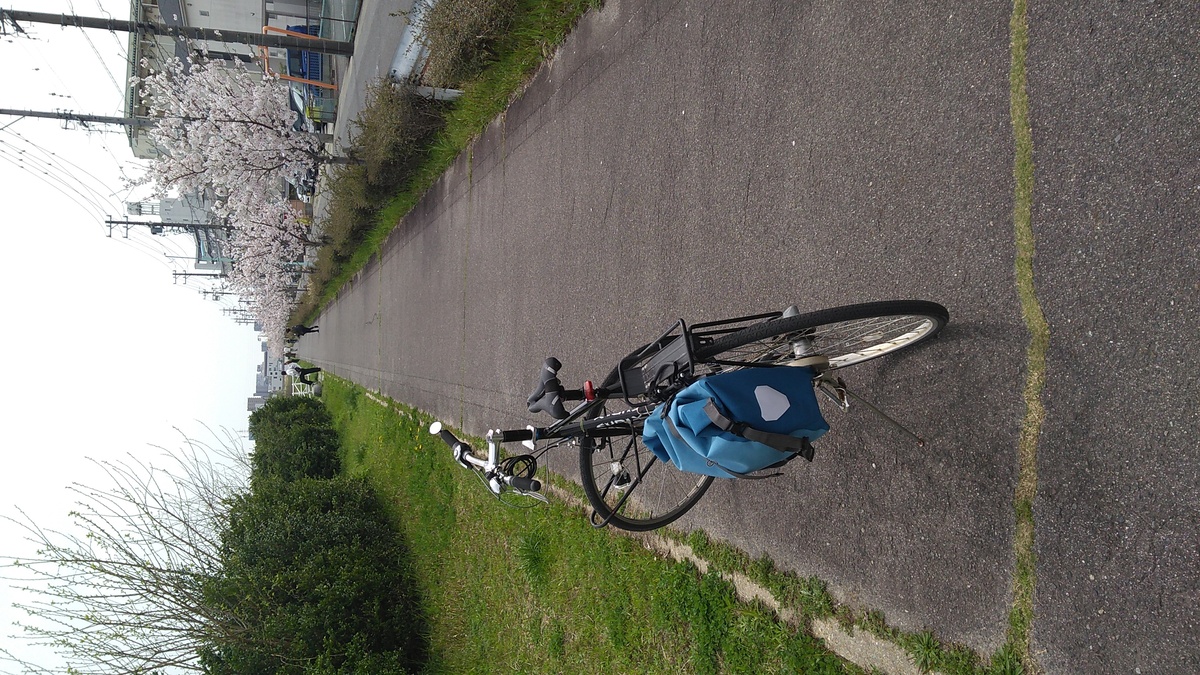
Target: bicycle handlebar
(510, 435)
(549, 395)
(490, 468)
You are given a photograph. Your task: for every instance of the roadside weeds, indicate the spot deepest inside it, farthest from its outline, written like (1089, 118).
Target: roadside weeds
(1024, 576)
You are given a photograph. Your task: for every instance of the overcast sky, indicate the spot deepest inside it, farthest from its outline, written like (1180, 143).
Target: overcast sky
(104, 354)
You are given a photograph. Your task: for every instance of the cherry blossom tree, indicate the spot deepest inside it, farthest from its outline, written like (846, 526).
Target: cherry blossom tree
(222, 127)
(268, 243)
(228, 131)
(270, 217)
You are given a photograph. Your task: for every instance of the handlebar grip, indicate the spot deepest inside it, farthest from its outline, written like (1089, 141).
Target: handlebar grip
(549, 395)
(510, 435)
(550, 368)
(526, 484)
(448, 438)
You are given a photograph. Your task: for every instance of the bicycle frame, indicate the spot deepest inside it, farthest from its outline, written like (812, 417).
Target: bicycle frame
(646, 377)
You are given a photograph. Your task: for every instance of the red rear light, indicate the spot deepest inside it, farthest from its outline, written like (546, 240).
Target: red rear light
(589, 391)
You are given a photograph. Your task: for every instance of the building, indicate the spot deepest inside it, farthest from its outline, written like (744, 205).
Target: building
(191, 214)
(268, 379)
(249, 16)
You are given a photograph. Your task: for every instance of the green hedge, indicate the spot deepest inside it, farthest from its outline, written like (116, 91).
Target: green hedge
(294, 438)
(318, 580)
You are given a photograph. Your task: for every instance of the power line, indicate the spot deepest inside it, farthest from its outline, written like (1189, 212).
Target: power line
(152, 248)
(103, 202)
(44, 61)
(64, 180)
(99, 57)
(57, 183)
(60, 158)
(120, 46)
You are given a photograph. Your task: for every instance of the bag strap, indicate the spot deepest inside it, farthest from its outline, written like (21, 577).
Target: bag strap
(783, 443)
(735, 474)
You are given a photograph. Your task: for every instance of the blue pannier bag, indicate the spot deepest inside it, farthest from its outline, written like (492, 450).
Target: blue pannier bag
(735, 423)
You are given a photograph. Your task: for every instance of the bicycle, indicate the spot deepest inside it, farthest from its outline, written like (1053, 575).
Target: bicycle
(627, 486)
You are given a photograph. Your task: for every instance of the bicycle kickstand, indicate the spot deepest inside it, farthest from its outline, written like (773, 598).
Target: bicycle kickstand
(836, 390)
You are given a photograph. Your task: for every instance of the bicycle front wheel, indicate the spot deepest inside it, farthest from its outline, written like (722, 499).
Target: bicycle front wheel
(632, 489)
(844, 335)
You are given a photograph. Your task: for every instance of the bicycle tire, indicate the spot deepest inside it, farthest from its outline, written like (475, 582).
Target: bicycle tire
(660, 496)
(846, 335)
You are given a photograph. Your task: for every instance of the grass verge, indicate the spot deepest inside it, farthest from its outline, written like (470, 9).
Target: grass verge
(809, 600)
(534, 29)
(540, 590)
(1021, 616)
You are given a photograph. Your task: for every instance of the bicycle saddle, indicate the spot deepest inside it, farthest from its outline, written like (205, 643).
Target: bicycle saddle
(548, 396)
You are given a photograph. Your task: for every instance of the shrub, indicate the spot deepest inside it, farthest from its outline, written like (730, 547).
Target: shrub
(318, 580)
(398, 124)
(294, 438)
(459, 35)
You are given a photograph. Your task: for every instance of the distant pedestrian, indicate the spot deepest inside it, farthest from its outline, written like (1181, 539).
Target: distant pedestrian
(300, 329)
(299, 373)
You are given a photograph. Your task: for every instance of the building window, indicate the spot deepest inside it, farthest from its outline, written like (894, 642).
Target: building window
(204, 12)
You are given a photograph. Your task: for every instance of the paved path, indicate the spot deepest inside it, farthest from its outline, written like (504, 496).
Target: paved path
(1116, 99)
(704, 159)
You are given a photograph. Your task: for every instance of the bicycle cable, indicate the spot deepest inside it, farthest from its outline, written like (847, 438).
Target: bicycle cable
(523, 466)
(519, 466)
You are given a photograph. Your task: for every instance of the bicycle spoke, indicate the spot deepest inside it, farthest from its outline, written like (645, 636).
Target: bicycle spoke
(630, 488)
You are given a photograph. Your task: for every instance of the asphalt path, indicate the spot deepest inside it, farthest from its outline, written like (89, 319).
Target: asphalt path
(706, 160)
(1115, 92)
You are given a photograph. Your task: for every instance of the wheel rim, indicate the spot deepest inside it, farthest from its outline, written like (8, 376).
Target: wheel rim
(844, 343)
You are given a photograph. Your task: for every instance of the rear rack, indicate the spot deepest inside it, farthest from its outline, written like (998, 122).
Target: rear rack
(659, 369)
(704, 333)
(655, 372)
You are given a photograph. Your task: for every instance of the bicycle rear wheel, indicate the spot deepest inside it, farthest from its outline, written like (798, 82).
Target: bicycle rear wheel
(632, 489)
(844, 335)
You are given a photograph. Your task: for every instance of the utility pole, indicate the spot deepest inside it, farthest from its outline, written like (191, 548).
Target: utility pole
(82, 119)
(216, 295)
(159, 228)
(187, 275)
(183, 32)
(102, 119)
